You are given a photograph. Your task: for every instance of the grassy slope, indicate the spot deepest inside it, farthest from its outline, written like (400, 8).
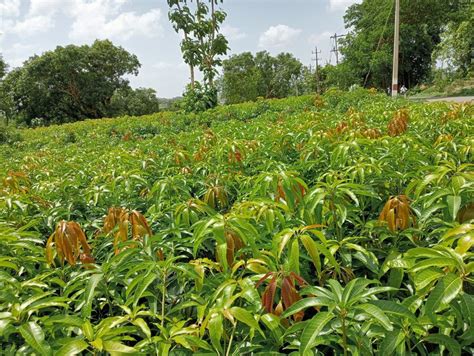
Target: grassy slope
(156, 164)
(270, 134)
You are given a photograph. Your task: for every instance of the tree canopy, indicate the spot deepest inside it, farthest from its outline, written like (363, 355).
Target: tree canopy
(70, 83)
(246, 76)
(368, 47)
(202, 45)
(135, 102)
(3, 67)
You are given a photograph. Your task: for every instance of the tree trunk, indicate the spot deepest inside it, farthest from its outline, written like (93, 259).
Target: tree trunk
(191, 71)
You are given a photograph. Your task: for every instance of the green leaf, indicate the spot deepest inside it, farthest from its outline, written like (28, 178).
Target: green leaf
(395, 277)
(117, 348)
(272, 322)
(140, 323)
(34, 336)
(197, 342)
(246, 317)
(454, 203)
(312, 330)
(216, 329)
(282, 239)
(453, 286)
(376, 313)
(446, 290)
(432, 262)
(304, 304)
(73, 347)
(394, 308)
(89, 294)
(312, 250)
(143, 285)
(329, 256)
(426, 277)
(391, 341)
(294, 258)
(450, 343)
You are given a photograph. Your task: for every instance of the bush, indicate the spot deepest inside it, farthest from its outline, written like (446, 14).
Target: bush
(200, 98)
(9, 135)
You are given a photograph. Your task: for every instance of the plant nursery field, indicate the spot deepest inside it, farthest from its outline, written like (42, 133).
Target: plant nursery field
(314, 225)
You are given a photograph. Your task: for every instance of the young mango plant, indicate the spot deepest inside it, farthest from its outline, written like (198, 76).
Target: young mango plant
(333, 201)
(70, 244)
(234, 302)
(124, 223)
(399, 123)
(341, 310)
(230, 233)
(283, 187)
(450, 194)
(397, 213)
(265, 211)
(287, 283)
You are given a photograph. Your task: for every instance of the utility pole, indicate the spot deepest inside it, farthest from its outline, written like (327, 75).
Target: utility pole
(396, 43)
(316, 71)
(335, 48)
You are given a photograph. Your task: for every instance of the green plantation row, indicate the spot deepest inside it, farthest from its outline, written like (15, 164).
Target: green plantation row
(339, 224)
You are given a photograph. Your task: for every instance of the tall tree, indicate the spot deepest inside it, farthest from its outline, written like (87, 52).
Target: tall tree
(240, 78)
(367, 48)
(202, 43)
(3, 67)
(456, 49)
(135, 102)
(70, 83)
(246, 77)
(5, 100)
(182, 19)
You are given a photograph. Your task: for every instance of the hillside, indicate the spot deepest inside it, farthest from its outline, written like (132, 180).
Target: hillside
(337, 223)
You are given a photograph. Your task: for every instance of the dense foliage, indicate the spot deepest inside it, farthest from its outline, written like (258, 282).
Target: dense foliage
(335, 224)
(202, 46)
(246, 77)
(69, 83)
(368, 47)
(134, 102)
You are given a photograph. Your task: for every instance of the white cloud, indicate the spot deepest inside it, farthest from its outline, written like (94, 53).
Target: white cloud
(90, 19)
(129, 24)
(102, 19)
(278, 36)
(46, 7)
(341, 5)
(18, 53)
(232, 33)
(315, 38)
(10, 8)
(32, 25)
(169, 65)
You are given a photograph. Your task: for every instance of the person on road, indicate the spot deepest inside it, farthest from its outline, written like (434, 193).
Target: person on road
(403, 90)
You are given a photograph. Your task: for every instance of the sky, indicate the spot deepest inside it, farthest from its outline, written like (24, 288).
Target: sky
(30, 27)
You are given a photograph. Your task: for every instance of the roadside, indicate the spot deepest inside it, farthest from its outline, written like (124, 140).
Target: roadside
(454, 99)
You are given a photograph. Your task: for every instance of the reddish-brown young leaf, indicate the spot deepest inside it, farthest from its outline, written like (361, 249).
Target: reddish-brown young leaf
(263, 279)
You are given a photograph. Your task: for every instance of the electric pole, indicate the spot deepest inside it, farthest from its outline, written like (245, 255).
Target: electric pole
(316, 71)
(396, 43)
(335, 48)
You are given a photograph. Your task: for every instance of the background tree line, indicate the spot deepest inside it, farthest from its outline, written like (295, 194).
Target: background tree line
(73, 83)
(76, 82)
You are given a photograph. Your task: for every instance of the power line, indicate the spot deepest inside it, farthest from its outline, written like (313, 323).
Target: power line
(335, 49)
(317, 59)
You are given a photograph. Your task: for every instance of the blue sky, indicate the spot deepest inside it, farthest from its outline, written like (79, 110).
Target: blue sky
(30, 27)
